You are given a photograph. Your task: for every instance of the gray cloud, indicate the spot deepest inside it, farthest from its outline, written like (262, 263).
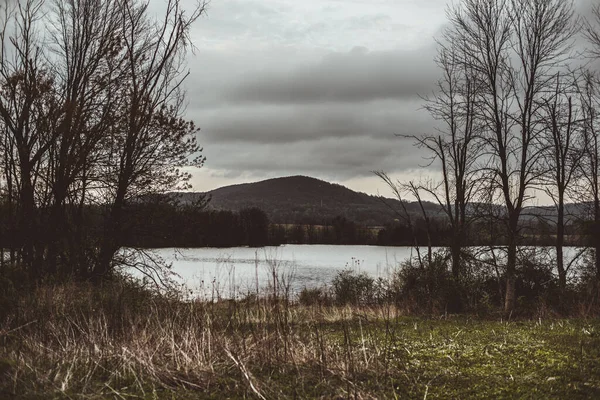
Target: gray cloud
(318, 87)
(358, 75)
(329, 157)
(327, 114)
(271, 124)
(278, 111)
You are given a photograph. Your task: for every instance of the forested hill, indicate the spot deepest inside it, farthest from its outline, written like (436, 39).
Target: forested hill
(301, 199)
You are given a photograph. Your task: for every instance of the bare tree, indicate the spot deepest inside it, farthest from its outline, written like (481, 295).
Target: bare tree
(588, 184)
(91, 110)
(456, 146)
(590, 163)
(87, 71)
(561, 140)
(514, 46)
(150, 139)
(25, 97)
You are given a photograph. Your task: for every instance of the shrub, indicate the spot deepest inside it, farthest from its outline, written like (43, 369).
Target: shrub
(314, 296)
(431, 287)
(13, 282)
(586, 288)
(8, 297)
(350, 287)
(536, 285)
(426, 287)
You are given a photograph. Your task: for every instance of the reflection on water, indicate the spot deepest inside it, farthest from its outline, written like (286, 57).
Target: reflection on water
(233, 272)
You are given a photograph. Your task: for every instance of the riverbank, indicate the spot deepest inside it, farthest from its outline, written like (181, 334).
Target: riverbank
(121, 341)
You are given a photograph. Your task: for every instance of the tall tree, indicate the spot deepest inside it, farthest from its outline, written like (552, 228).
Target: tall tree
(562, 156)
(456, 147)
(150, 139)
(589, 163)
(590, 103)
(91, 112)
(87, 71)
(25, 98)
(515, 46)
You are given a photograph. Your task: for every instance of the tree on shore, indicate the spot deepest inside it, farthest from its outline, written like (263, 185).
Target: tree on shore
(589, 91)
(456, 146)
(515, 47)
(505, 124)
(91, 113)
(562, 155)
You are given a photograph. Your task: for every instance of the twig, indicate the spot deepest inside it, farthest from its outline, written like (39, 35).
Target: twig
(114, 391)
(245, 373)
(16, 329)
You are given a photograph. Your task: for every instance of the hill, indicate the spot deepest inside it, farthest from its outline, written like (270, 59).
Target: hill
(301, 199)
(306, 200)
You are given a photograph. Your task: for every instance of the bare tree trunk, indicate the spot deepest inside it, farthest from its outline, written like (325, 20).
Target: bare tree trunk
(27, 228)
(111, 238)
(597, 235)
(416, 192)
(456, 249)
(560, 241)
(511, 266)
(562, 162)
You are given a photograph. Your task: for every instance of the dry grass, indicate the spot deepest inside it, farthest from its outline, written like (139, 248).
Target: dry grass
(77, 341)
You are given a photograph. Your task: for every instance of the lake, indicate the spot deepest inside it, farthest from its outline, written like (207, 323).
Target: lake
(233, 272)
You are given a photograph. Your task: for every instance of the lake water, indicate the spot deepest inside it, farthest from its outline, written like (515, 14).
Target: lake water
(233, 272)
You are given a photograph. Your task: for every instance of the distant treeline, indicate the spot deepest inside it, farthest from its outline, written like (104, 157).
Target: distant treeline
(157, 222)
(340, 230)
(169, 224)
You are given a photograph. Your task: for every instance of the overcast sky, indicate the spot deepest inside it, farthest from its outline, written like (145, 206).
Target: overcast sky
(312, 87)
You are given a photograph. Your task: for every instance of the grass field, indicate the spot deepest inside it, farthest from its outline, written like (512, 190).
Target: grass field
(119, 342)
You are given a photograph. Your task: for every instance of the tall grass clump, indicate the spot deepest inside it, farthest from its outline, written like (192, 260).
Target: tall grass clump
(123, 339)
